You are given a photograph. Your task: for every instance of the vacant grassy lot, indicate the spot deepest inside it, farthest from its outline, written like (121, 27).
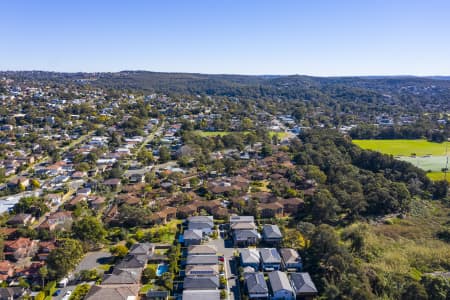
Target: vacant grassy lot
(403, 147)
(409, 246)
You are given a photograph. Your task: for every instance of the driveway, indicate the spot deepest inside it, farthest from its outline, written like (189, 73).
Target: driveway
(226, 249)
(94, 260)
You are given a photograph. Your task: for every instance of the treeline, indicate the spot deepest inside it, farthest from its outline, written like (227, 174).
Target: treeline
(354, 182)
(416, 131)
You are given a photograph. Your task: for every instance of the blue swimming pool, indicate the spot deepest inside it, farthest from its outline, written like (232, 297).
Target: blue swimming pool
(162, 269)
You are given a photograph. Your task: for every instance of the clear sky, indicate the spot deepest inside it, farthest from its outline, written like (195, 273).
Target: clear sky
(313, 37)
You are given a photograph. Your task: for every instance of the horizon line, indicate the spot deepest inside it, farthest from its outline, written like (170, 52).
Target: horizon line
(229, 74)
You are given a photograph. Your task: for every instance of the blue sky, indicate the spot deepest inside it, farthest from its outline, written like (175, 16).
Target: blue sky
(313, 37)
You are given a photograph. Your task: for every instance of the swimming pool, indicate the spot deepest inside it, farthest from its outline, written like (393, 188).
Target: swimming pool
(162, 269)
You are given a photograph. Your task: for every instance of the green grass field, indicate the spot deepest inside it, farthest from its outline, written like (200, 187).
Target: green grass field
(403, 147)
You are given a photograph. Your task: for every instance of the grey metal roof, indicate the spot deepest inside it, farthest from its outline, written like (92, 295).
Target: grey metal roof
(201, 295)
(270, 255)
(290, 256)
(120, 276)
(302, 283)
(256, 284)
(142, 248)
(202, 249)
(272, 231)
(250, 256)
(132, 262)
(201, 283)
(112, 293)
(242, 235)
(201, 219)
(192, 234)
(202, 260)
(241, 219)
(279, 281)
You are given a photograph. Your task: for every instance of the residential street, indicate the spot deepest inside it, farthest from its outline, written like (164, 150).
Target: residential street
(226, 248)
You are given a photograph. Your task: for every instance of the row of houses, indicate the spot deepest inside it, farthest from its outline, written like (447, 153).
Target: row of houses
(282, 286)
(270, 259)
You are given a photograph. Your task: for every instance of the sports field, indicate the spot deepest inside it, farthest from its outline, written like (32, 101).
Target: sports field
(428, 156)
(404, 147)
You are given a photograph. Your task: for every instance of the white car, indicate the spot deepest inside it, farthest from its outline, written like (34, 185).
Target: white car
(67, 295)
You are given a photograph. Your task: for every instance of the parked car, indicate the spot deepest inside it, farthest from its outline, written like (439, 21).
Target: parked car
(67, 295)
(57, 293)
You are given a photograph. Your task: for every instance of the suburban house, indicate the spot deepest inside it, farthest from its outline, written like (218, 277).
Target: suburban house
(6, 270)
(203, 223)
(242, 222)
(256, 286)
(123, 292)
(292, 205)
(157, 295)
(122, 277)
(20, 248)
(163, 216)
(201, 294)
(270, 259)
(132, 262)
(291, 260)
(192, 237)
(199, 270)
(54, 199)
(142, 249)
(113, 183)
(21, 220)
(202, 260)
(250, 258)
(202, 250)
(60, 219)
(270, 210)
(271, 234)
(280, 287)
(303, 286)
(201, 283)
(246, 237)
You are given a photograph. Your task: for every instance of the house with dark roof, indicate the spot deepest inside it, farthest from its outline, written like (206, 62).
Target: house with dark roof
(122, 292)
(203, 223)
(157, 295)
(192, 237)
(256, 286)
(122, 276)
(290, 260)
(142, 249)
(280, 286)
(133, 262)
(271, 234)
(202, 250)
(303, 285)
(201, 283)
(250, 258)
(201, 294)
(202, 260)
(21, 220)
(202, 270)
(246, 237)
(270, 259)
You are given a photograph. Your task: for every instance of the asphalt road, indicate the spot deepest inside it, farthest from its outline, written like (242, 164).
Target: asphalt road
(226, 249)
